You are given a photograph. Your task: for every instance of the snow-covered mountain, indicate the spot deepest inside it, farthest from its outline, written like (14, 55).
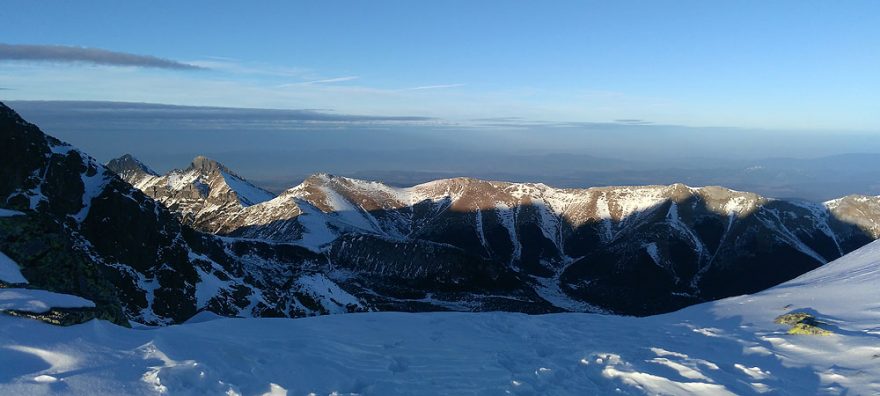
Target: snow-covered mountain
(203, 194)
(81, 230)
(728, 347)
(633, 250)
(334, 244)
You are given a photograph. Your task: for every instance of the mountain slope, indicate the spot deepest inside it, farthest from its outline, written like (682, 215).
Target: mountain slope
(728, 347)
(632, 250)
(201, 194)
(88, 233)
(131, 169)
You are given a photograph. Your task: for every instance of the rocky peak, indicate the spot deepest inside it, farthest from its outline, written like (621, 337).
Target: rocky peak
(861, 210)
(678, 192)
(321, 179)
(731, 202)
(206, 165)
(127, 166)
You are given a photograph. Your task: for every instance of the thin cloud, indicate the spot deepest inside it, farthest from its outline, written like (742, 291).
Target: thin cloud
(61, 53)
(201, 117)
(324, 81)
(439, 86)
(235, 66)
(633, 121)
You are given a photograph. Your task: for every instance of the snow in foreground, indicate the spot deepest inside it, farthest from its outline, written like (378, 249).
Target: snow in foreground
(727, 347)
(39, 301)
(9, 270)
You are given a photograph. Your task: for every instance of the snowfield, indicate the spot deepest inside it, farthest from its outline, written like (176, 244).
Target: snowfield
(722, 348)
(9, 270)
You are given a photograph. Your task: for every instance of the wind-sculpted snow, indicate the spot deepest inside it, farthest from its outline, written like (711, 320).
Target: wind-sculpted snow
(728, 347)
(38, 301)
(10, 272)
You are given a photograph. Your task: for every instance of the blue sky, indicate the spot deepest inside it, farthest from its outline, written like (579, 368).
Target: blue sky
(755, 64)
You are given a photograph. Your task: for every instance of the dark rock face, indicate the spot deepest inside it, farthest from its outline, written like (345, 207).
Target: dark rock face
(95, 230)
(51, 259)
(676, 257)
(129, 167)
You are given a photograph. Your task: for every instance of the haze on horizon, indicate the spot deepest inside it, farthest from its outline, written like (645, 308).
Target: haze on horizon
(752, 95)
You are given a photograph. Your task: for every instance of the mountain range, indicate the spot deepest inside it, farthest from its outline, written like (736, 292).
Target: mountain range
(632, 250)
(157, 249)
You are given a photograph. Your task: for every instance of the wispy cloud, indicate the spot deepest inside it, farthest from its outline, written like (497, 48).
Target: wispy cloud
(61, 53)
(205, 117)
(633, 121)
(439, 86)
(324, 81)
(235, 66)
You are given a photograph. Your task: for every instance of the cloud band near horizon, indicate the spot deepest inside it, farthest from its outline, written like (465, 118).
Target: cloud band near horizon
(70, 54)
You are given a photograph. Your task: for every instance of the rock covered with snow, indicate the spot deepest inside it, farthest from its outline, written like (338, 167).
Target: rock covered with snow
(203, 194)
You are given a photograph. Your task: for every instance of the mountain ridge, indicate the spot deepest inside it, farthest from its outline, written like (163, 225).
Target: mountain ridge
(335, 244)
(199, 192)
(84, 231)
(559, 236)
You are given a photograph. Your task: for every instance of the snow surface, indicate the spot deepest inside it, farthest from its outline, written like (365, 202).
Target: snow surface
(10, 271)
(327, 292)
(39, 301)
(317, 230)
(93, 187)
(726, 347)
(248, 194)
(10, 213)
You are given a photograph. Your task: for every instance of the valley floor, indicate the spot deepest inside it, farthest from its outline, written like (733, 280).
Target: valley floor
(726, 347)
